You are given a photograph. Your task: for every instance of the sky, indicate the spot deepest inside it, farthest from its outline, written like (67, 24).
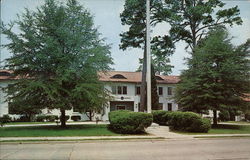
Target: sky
(106, 15)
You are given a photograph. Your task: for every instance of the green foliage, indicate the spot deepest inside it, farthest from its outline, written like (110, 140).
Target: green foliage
(4, 119)
(57, 131)
(189, 121)
(191, 20)
(182, 121)
(217, 76)
(76, 118)
(27, 109)
(57, 56)
(154, 91)
(129, 122)
(66, 117)
(51, 118)
(247, 116)
(161, 117)
(224, 116)
(134, 15)
(41, 118)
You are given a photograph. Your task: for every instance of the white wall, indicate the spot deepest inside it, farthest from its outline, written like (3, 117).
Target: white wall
(3, 105)
(130, 96)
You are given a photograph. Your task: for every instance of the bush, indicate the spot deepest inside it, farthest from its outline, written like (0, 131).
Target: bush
(66, 117)
(247, 116)
(41, 118)
(51, 118)
(22, 119)
(189, 121)
(224, 116)
(129, 122)
(76, 118)
(4, 119)
(161, 117)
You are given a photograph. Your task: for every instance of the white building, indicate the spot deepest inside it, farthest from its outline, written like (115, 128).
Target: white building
(124, 87)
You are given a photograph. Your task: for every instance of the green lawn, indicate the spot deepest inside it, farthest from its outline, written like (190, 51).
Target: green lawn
(52, 131)
(225, 129)
(19, 123)
(237, 122)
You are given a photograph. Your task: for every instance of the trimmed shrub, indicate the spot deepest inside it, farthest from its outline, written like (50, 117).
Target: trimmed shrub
(224, 116)
(129, 122)
(51, 118)
(76, 118)
(66, 117)
(189, 121)
(22, 119)
(247, 116)
(5, 119)
(161, 117)
(41, 118)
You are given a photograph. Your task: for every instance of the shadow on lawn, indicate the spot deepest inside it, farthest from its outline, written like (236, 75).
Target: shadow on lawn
(226, 126)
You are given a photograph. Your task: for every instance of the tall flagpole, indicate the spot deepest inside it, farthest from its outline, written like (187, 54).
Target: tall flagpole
(148, 56)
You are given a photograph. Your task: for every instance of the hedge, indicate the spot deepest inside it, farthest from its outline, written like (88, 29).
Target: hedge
(189, 121)
(161, 117)
(4, 119)
(41, 118)
(129, 122)
(76, 118)
(51, 118)
(182, 121)
(224, 116)
(48, 118)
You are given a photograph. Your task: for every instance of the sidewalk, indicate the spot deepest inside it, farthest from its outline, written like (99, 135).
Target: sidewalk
(163, 131)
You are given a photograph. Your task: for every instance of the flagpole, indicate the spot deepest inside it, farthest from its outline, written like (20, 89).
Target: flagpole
(148, 56)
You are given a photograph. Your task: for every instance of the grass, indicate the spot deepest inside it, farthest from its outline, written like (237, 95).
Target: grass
(19, 123)
(238, 122)
(57, 131)
(225, 129)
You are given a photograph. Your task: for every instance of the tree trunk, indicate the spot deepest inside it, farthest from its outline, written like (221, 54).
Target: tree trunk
(63, 118)
(143, 95)
(215, 117)
(154, 96)
(90, 115)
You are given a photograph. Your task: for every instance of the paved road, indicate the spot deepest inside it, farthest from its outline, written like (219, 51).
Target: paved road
(196, 149)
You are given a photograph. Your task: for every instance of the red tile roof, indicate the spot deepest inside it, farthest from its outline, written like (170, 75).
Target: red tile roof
(130, 77)
(247, 98)
(6, 77)
(134, 77)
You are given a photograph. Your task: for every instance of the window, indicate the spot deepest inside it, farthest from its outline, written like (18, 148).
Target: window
(160, 106)
(119, 89)
(137, 90)
(118, 76)
(169, 90)
(124, 90)
(113, 89)
(120, 107)
(169, 106)
(160, 91)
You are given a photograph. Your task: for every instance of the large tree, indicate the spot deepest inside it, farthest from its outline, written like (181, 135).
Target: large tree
(134, 15)
(191, 20)
(56, 57)
(218, 76)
